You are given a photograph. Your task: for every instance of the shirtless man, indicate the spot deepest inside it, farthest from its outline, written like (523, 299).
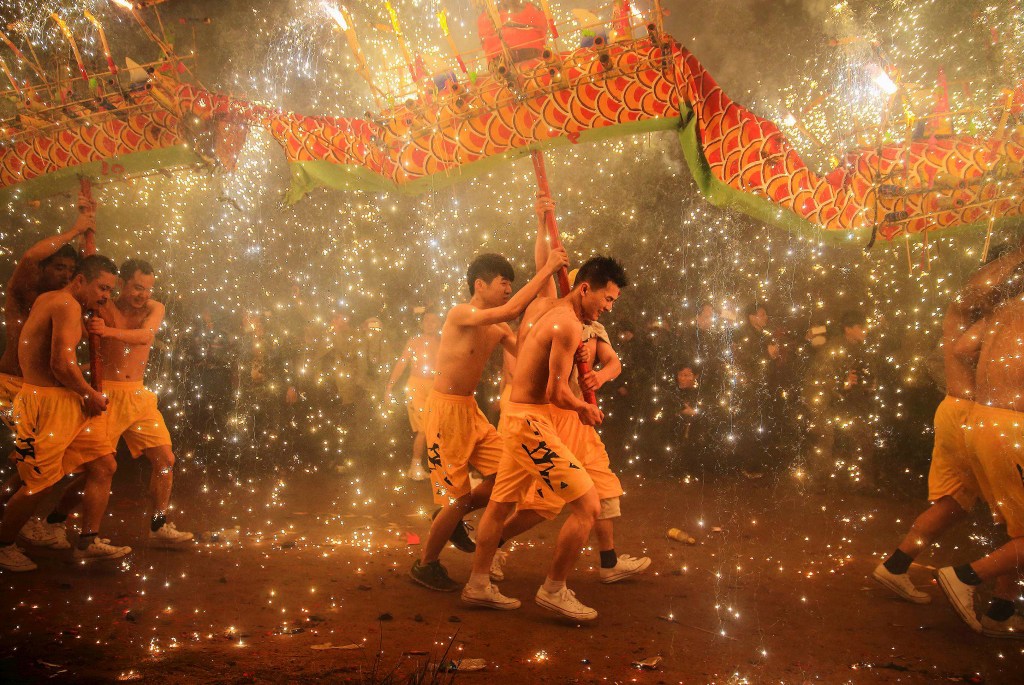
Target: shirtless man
(44, 267)
(458, 434)
(952, 486)
(534, 457)
(584, 442)
(420, 357)
(60, 420)
(994, 435)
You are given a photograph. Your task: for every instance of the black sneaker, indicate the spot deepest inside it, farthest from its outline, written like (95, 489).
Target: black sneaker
(433, 576)
(460, 536)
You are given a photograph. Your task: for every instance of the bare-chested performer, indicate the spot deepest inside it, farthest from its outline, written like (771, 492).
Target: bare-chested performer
(534, 457)
(458, 434)
(46, 266)
(994, 435)
(420, 358)
(952, 486)
(128, 327)
(59, 417)
(584, 442)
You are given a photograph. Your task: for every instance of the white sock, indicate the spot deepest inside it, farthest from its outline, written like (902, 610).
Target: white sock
(553, 586)
(478, 581)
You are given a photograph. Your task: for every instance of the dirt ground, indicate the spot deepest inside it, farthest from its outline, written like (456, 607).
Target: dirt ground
(775, 590)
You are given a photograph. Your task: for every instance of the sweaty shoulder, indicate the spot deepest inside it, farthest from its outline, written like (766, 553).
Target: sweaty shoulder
(59, 302)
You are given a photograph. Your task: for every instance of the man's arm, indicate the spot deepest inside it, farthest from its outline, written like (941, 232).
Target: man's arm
(66, 320)
(610, 364)
(145, 334)
(968, 345)
(24, 276)
(508, 339)
(468, 315)
(981, 291)
(542, 246)
(565, 339)
(399, 369)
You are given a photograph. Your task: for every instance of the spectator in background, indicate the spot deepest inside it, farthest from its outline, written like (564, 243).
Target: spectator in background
(755, 356)
(839, 395)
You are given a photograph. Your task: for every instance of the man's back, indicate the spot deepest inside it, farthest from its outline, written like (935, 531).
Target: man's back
(37, 336)
(1000, 375)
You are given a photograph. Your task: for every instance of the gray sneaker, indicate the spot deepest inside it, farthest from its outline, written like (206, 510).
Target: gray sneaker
(13, 559)
(433, 576)
(1012, 628)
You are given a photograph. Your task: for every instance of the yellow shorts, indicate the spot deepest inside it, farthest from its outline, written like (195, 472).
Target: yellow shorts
(503, 401)
(416, 391)
(950, 474)
(995, 439)
(535, 459)
(584, 442)
(10, 386)
(54, 436)
(132, 413)
(458, 436)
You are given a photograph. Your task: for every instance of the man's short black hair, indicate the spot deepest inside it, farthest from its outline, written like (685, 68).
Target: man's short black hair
(486, 267)
(130, 266)
(751, 309)
(600, 270)
(66, 251)
(92, 266)
(851, 318)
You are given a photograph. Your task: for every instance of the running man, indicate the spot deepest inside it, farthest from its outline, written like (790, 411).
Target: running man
(420, 358)
(994, 435)
(952, 486)
(458, 434)
(534, 458)
(60, 420)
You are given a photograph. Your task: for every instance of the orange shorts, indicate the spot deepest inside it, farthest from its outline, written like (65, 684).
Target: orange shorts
(535, 459)
(10, 386)
(950, 474)
(503, 401)
(54, 437)
(458, 436)
(132, 413)
(584, 442)
(995, 441)
(416, 391)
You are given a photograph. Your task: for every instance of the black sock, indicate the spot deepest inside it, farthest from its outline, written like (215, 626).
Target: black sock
(609, 558)
(56, 517)
(85, 539)
(899, 562)
(967, 575)
(1000, 609)
(157, 523)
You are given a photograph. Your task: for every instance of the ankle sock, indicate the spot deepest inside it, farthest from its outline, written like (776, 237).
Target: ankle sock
(553, 586)
(86, 539)
(56, 517)
(1000, 609)
(479, 581)
(609, 558)
(898, 562)
(967, 575)
(157, 523)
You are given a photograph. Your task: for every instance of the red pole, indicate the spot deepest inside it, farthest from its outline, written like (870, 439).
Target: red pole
(537, 156)
(89, 248)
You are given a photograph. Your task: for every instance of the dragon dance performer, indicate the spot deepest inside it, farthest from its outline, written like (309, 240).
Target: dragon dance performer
(59, 417)
(420, 358)
(458, 434)
(584, 442)
(534, 456)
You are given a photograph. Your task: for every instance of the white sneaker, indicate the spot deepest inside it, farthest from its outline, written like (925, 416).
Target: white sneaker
(498, 565)
(960, 596)
(416, 473)
(489, 597)
(901, 584)
(168, 533)
(624, 567)
(564, 602)
(99, 550)
(13, 559)
(1012, 628)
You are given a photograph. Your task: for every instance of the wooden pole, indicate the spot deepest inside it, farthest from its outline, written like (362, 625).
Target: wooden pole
(89, 248)
(544, 191)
